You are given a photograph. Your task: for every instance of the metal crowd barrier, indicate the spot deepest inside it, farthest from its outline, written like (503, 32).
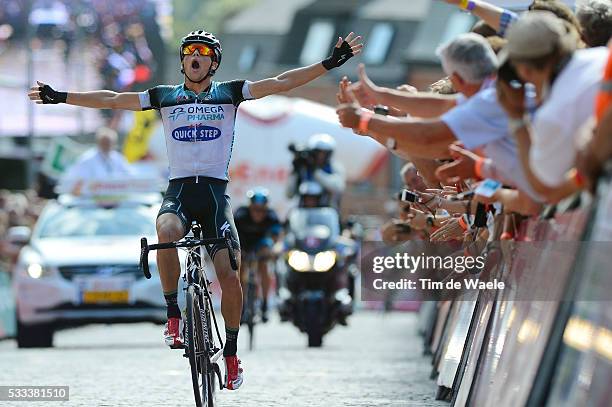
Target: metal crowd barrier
(545, 340)
(7, 307)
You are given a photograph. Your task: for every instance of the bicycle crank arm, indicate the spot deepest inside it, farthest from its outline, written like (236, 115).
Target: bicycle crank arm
(216, 356)
(217, 370)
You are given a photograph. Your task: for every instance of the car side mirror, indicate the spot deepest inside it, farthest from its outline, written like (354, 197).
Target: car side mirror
(19, 235)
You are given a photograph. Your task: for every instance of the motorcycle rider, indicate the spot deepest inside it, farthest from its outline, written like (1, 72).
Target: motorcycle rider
(320, 168)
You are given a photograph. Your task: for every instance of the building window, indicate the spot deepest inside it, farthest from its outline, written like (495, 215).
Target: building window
(458, 23)
(247, 58)
(379, 43)
(317, 43)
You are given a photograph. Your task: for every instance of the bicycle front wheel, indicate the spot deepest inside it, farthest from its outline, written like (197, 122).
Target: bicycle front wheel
(198, 350)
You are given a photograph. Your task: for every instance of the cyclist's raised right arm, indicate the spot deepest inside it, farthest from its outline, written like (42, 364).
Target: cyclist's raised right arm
(99, 99)
(105, 99)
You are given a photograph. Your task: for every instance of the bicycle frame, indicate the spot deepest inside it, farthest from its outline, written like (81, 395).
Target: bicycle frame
(198, 300)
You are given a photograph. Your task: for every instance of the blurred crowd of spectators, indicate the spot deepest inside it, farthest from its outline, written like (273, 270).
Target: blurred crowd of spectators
(124, 34)
(16, 209)
(521, 127)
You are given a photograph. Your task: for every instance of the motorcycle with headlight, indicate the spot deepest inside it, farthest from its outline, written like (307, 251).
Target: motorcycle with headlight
(313, 292)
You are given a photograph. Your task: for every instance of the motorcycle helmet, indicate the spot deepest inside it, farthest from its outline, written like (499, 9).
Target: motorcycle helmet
(322, 142)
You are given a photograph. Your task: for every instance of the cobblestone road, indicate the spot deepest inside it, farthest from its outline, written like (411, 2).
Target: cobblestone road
(376, 361)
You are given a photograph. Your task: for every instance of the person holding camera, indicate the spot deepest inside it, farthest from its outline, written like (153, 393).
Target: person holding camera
(315, 164)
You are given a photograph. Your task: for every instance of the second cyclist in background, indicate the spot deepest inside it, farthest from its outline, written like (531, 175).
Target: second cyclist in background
(258, 228)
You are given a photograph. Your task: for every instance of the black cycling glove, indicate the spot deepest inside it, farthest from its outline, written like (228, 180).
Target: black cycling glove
(50, 96)
(339, 56)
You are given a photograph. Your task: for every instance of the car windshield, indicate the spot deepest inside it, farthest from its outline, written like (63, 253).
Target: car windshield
(137, 220)
(307, 221)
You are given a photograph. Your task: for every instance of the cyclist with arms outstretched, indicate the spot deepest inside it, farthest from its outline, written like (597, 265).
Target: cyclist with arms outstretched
(198, 117)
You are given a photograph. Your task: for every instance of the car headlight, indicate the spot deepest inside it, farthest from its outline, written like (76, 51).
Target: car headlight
(324, 261)
(35, 270)
(299, 261)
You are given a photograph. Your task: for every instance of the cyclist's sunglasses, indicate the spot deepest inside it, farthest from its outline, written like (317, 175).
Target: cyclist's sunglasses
(203, 50)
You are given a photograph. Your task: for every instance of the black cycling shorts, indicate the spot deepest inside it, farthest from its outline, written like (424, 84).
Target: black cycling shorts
(205, 202)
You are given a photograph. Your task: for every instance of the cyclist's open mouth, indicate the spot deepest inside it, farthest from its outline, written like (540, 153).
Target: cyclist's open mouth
(195, 65)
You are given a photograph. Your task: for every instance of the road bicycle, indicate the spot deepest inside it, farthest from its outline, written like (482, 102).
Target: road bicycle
(202, 347)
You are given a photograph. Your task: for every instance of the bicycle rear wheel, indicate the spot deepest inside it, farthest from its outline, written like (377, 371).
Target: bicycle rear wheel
(198, 351)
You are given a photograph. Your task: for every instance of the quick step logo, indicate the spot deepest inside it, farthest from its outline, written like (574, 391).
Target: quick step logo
(196, 133)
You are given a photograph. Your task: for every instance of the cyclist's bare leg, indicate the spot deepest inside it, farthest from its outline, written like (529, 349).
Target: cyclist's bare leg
(169, 229)
(231, 290)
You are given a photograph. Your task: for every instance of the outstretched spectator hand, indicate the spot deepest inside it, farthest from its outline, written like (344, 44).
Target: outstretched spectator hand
(343, 96)
(450, 230)
(462, 168)
(366, 92)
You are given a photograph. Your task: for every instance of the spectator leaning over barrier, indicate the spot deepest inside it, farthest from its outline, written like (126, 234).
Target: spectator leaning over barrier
(595, 17)
(543, 50)
(473, 117)
(597, 148)
(501, 19)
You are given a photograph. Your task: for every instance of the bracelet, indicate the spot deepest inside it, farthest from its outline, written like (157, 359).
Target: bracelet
(478, 167)
(462, 223)
(364, 121)
(468, 5)
(576, 177)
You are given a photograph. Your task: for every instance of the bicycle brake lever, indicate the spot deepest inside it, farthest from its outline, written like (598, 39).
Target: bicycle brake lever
(144, 257)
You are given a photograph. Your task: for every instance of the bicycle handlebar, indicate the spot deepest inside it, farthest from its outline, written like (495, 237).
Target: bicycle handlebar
(226, 241)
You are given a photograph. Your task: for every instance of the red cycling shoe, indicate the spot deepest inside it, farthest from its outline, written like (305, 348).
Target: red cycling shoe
(173, 333)
(233, 373)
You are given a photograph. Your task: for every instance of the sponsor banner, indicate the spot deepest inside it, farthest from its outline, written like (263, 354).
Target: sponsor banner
(61, 154)
(111, 188)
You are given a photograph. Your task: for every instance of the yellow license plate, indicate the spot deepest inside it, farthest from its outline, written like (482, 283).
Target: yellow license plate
(95, 297)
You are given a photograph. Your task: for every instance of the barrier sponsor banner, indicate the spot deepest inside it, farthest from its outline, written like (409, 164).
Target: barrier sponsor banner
(7, 307)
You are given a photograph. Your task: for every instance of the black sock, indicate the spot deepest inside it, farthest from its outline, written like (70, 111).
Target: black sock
(172, 310)
(231, 339)
(264, 305)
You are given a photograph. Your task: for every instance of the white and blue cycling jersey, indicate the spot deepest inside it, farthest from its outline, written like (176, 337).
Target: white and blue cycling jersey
(199, 128)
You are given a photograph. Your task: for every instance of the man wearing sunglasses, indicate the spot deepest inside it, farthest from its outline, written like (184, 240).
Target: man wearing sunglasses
(198, 117)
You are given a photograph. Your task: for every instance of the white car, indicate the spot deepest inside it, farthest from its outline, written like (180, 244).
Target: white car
(81, 266)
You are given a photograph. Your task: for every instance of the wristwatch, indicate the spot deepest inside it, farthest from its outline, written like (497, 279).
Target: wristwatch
(381, 109)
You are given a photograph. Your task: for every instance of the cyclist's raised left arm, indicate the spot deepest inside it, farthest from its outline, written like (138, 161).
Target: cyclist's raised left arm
(344, 50)
(99, 99)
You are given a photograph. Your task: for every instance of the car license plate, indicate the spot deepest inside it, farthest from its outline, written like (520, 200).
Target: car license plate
(96, 290)
(114, 297)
